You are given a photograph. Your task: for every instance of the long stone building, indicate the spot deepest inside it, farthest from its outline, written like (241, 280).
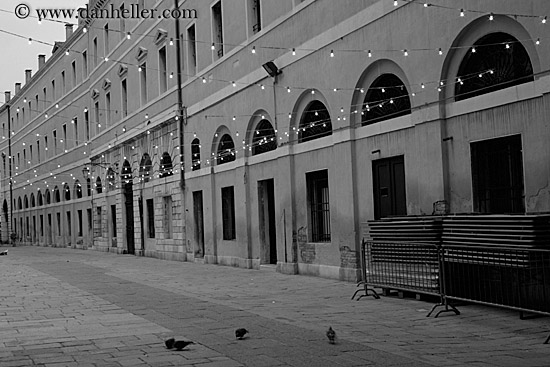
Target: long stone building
(278, 129)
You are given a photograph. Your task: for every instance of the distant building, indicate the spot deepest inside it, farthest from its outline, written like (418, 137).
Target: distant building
(368, 110)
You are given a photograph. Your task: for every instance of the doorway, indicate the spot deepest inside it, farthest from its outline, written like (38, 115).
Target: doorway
(266, 210)
(126, 176)
(389, 187)
(198, 216)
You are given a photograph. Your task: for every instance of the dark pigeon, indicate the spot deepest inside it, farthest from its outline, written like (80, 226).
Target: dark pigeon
(180, 344)
(331, 335)
(240, 333)
(170, 343)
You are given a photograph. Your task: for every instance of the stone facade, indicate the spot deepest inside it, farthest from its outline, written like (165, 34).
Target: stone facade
(263, 181)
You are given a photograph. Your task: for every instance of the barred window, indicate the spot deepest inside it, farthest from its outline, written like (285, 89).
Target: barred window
(319, 206)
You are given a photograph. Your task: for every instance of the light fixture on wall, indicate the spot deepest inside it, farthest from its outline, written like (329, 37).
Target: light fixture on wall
(272, 69)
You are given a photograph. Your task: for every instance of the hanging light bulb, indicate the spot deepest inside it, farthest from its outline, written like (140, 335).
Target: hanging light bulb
(294, 51)
(440, 51)
(544, 20)
(253, 49)
(213, 47)
(128, 35)
(462, 12)
(369, 53)
(67, 53)
(331, 53)
(405, 53)
(288, 89)
(171, 43)
(491, 16)
(84, 30)
(537, 42)
(30, 41)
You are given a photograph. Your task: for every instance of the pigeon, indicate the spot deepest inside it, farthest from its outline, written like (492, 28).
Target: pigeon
(331, 335)
(170, 343)
(5, 252)
(180, 344)
(239, 333)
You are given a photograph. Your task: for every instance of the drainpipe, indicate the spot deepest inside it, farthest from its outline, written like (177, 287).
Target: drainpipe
(182, 121)
(8, 97)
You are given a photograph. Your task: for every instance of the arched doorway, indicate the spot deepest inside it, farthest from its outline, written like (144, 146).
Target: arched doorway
(127, 183)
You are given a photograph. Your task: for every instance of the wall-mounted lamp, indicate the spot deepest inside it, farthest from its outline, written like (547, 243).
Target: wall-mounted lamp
(272, 69)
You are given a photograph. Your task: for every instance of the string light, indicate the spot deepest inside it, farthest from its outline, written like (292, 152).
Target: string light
(491, 16)
(253, 49)
(543, 21)
(331, 53)
(462, 12)
(128, 36)
(294, 51)
(369, 53)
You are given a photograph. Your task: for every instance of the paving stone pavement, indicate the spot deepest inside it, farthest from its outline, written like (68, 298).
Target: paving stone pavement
(64, 307)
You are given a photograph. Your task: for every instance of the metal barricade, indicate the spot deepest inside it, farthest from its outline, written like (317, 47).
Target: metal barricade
(402, 266)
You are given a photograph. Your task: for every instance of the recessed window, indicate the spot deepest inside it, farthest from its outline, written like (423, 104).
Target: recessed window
(217, 30)
(163, 82)
(315, 122)
(150, 218)
(319, 206)
(228, 213)
(499, 61)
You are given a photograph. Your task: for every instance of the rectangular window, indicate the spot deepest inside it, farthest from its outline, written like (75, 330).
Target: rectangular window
(113, 221)
(124, 88)
(192, 50)
(58, 224)
(497, 175)
(96, 113)
(38, 150)
(90, 219)
(65, 137)
(63, 85)
(217, 30)
(163, 83)
(143, 83)
(255, 16)
(54, 134)
(30, 154)
(69, 224)
(25, 158)
(87, 123)
(18, 160)
(36, 105)
(79, 223)
(106, 38)
(150, 218)
(75, 124)
(73, 67)
(168, 216)
(85, 64)
(95, 56)
(45, 95)
(30, 111)
(107, 109)
(228, 213)
(122, 23)
(319, 206)
(45, 147)
(41, 225)
(23, 115)
(53, 90)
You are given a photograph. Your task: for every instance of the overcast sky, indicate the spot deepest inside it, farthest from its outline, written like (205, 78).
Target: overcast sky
(17, 54)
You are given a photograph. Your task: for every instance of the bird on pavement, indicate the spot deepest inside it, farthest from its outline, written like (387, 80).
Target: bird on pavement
(170, 343)
(240, 333)
(331, 335)
(180, 344)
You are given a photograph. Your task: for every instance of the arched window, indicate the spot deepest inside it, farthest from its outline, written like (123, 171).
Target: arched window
(26, 202)
(78, 190)
(264, 138)
(226, 150)
(126, 174)
(145, 168)
(19, 205)
(166, 168)
(499, 62)
(98, 187)
(88, 187)
(33, 202)
(195, 154)
(111, 179)
(40, 199)
(315, 122)
(48, 197)
(56, 195)
(386, 98)
(67, 192)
